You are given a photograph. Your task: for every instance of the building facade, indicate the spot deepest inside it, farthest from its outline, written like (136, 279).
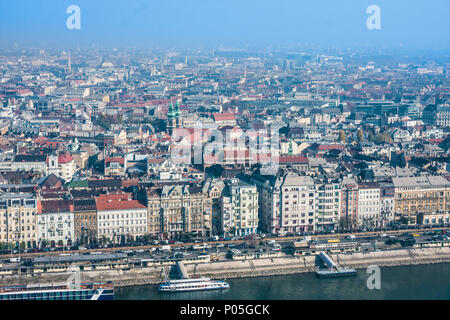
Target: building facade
(328, 205)
(242, 207)
(85, 219)
(368, 205)
(18, 219)
(119, 218)
(55, 223)
(421, 195)
(177, 209)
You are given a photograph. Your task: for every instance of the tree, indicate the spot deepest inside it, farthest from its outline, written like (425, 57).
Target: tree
(360, 135)
(341, 136)
(384, 137)
(44, 243)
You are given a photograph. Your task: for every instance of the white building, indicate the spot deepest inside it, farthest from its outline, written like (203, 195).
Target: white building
(62, 166)
(119, 217)
(242, 205)
(287, 203)
(369, 205)
(55, 223)
(296, 203)
(328, 205)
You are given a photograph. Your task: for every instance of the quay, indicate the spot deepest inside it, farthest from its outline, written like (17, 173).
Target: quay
(150, 273)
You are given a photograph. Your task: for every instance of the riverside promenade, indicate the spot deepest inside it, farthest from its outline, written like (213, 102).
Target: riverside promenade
(245, 268)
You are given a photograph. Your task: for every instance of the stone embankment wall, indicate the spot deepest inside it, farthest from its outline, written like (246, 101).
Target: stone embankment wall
(246, 268)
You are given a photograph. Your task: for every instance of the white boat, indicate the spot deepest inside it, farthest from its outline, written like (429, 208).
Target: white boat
(196, 284)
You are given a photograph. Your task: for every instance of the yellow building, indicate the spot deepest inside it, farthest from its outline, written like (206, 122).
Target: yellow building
(421, 195)
(18, 219)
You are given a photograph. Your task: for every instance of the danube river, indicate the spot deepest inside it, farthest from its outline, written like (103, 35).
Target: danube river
(404, 282)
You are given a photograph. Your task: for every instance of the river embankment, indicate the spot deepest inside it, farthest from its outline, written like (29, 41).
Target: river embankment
(282, 265)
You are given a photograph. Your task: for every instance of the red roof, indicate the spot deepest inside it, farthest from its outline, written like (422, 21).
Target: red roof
(117, 159)
(330, 147)
(293, 159)
(117, 202)
(436, 141)
(65, 158)
(223, 116)
(40, 140)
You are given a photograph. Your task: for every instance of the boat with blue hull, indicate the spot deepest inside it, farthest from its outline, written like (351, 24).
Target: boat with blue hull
(62, 291)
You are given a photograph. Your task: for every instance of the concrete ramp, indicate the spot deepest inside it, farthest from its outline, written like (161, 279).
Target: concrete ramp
(182, 270)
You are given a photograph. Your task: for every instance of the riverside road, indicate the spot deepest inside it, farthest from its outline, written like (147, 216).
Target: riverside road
(358, 235)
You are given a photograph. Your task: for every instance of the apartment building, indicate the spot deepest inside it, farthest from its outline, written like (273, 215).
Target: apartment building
(55, 223)
(29, 162)
(328, 205)
(85, 219)
(368, 205)
(387, 203)
(242, 206)
(286, 203)
(349, 204)
(421, 195)
(119, 218)
(18, 219)
(296, 203)
(177, 209)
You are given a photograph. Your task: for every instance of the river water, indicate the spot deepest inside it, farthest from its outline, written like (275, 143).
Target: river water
(403, 282)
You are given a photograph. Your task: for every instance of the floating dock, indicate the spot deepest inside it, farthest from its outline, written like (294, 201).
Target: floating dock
(333, 269)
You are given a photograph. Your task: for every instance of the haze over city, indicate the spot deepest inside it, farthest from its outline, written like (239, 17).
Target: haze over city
(193, 149)
(405, 24)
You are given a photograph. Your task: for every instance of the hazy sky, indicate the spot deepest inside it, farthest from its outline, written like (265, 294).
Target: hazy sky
(407, 23)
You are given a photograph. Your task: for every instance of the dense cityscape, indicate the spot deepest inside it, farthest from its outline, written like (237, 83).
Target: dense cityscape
(132, 146)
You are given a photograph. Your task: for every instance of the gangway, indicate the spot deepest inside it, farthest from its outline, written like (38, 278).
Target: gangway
(330, 263)
(333, 269)
(182, 270)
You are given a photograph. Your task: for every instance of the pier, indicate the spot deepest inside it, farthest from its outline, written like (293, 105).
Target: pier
(333, 269)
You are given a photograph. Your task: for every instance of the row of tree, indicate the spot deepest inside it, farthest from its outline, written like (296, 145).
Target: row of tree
(379, 138)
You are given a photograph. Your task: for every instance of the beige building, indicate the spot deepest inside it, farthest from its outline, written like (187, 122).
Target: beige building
(436, 218)
(421, 195)
(177, 209)
(85, 219)
(18, 219)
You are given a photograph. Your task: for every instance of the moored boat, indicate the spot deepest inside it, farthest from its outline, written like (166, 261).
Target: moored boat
(196, 284)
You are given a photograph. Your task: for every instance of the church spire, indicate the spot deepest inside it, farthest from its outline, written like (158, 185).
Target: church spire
(170, 114)
(171, 121)
(177, 109)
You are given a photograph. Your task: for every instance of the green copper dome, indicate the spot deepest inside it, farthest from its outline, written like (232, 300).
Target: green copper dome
(170, 114)
(177, 110)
